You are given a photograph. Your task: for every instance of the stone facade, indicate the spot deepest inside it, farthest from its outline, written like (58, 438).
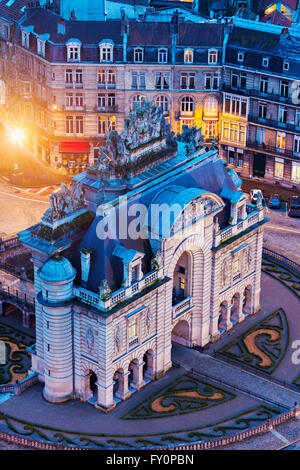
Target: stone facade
(108, 308)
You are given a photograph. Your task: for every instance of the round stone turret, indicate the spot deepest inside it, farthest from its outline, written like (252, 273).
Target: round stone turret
(57, 276)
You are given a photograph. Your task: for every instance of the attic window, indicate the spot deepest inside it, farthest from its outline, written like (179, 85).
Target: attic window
(241, 57)
(212, 56)
(25, 39)
(163, 56)
(73, 51)
(106, 52)
(265, 62)
(138, 55)
(40, 47)
(188, 56)
(286, 66)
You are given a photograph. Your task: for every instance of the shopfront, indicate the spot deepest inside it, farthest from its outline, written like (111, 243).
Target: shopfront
(74, 155)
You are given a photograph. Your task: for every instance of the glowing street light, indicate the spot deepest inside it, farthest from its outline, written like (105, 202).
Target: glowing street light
(16, 135)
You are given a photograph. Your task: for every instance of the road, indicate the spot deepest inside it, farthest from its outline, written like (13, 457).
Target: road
(19, 211)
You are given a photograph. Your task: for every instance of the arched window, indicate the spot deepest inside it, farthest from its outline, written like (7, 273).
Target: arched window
(163, 103)
(138, 55)
(162, 56)
(212, 56)
(106, 51)
(138, 100)
(187, 104)
(188, 56)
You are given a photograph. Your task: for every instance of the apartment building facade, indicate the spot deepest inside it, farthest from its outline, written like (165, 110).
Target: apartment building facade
(70, 84)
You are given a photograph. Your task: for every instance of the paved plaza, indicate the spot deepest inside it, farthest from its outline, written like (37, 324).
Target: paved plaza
(174, 410)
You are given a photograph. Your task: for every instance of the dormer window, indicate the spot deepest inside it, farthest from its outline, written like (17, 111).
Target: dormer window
(73, 50)
(240, 57)
(212, 56)
(162, 56)
(188, 56)
(265, 62)
(106, 51)
(132, 264)
(138, 55)
(286, 66)
(25, 39)
(40, 46)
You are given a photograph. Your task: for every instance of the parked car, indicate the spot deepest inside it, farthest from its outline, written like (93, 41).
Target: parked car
(255, 194)
(274, 201)
(294, 206)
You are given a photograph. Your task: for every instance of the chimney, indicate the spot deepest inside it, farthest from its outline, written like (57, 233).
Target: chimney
(85, 258)
(61, 26)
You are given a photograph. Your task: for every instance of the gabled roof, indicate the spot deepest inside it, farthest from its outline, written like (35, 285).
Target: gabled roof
(276, 18)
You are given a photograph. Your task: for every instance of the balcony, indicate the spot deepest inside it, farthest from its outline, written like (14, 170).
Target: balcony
(182, 307)
(106, 86)
(106, 109)
(256, 92)
(75, 108)
(263, 148)
(92, 299)
(273, 123)
(253, 217)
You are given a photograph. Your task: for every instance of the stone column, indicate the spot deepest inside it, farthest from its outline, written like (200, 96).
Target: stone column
(123, 391)
(227, 323)
(149, 372)
(138, 380)
(105, 401)
(238, 315)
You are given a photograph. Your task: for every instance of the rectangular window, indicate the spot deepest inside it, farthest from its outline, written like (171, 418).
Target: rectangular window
(297, 144)
(111, 100)
(162, 81)
(69, 125)
(132, 329)
(282, 114)
(278, 170)
(187, 81)
(69, 76)
(162, 56)
(78, 76)
(243, 83)
(101, 101)
(231, 156)
(236, 267)
(262, 110)
(295, 177)
(239, 159)
(79, 124)
(234, 80)
(79, 100)
(297, 119)
(264, 83)
(101, 125)
(280, 141)
(284, 88)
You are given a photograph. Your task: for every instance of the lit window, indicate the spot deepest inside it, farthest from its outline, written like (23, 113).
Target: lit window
(280, 141)
(111, 123)
(138, 55)
(212, 56)
(132, 329)
(295, 176)
(188, 56)
(236, 267)
(101, 125)
(278, 170)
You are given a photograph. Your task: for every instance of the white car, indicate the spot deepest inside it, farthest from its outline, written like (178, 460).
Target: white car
(255, 194)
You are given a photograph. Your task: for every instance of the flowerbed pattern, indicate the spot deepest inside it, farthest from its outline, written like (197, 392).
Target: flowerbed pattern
(17, 358)
(263, 346)
(237, 423)
(186, 394)
(283, 275)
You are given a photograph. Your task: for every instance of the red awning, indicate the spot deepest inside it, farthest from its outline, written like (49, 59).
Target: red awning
(74, 147)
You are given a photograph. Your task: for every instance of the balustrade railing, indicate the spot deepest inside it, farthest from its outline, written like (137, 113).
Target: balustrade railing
(253, 216)
(94, 300)
(182, 306)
